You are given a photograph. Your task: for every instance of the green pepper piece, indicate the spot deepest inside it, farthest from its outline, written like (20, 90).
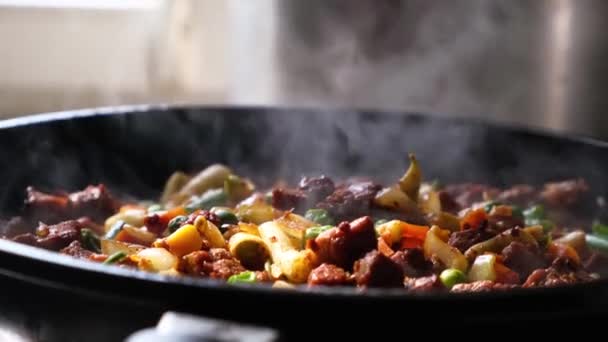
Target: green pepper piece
(211, 198)
(534, 212)
(597, 243)
(517, 211)
(313, 232)
(320, 216)
(490, 205)
(246, 277)
(600, 229)
(89, 240)
(226, 216)
(176, 222)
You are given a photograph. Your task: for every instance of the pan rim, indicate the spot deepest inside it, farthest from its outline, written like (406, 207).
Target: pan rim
(65, 262)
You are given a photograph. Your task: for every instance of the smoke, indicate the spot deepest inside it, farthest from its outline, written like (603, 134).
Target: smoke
(469, 57)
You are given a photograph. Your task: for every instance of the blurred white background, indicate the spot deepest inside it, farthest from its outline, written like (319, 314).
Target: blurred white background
(67, 54)
(535, 63)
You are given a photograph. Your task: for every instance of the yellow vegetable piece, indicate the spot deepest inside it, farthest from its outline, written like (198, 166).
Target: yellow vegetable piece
(411, 180)
(448, 255)
(210, 232)
(185, 240)
(483, 268)
(255, 210)
(428, 200)
(394, 198)
(294, 264)
(132, 216)
(249, 228)
(391, 230)
(175, 183)
(250, 250)
(156, 260)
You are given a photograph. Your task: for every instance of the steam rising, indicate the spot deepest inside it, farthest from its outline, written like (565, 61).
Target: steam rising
(455, 57)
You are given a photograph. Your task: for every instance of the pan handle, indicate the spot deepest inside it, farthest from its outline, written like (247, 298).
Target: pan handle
(175, 326)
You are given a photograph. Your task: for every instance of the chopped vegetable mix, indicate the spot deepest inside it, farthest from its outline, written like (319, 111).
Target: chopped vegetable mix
(408, 233)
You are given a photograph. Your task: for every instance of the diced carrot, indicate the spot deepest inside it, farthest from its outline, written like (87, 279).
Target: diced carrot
(123, 236)
(384, 248)
(560, 250)
(473, 219)
(411, 243)
(171, 214)
(127, 207)
(409, 230)
(413, 235)
(505, 274)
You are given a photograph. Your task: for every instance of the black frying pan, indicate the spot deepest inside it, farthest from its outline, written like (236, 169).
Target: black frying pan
(133, 151)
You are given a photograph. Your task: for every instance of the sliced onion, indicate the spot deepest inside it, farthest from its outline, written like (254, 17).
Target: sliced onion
(156, 259)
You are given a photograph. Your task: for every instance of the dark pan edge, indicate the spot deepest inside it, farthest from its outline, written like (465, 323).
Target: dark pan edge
(42, 256)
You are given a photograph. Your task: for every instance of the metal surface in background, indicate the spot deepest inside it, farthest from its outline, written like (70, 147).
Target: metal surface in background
(540, 63)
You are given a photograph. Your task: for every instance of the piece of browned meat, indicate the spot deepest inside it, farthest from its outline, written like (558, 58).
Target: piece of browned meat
(482, 286)
(521, 194)
(346, 243)
(565, 193)
(53, 237)
(502, 217)
(288, 199)
(75, 249)
(523, 259)
(430, 283)
(466, 238)
(377, 270)
(597, 263)
(262, 277)
(216, 263)
(467, 194)
(350, 200)
(562, 272)
(328, 275)
(316, 188)
(15, 226)
(94, 202)
(448, 202)
(412, 262)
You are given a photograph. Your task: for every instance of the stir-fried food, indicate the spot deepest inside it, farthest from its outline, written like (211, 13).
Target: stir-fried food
(413, 234)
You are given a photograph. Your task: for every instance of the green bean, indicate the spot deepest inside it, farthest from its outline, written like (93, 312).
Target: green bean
(115, 258)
